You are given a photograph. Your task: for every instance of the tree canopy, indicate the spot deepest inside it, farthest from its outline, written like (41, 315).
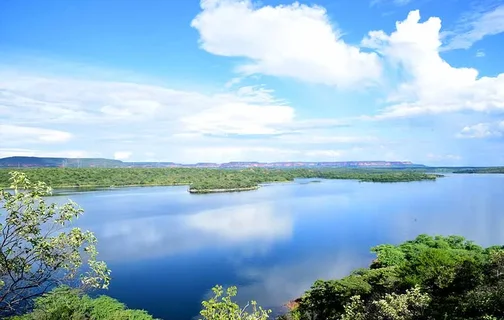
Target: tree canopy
(66, 303)
(425, 278)
(38, 248)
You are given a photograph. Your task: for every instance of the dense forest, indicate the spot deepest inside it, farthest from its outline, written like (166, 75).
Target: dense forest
(202, 179)
(481, 170)
(67, 303)
(425, 278)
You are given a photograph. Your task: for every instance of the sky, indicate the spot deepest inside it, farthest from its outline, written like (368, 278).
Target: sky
(244, 80)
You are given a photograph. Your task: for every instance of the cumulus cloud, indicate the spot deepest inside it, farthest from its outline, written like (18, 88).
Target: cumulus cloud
(64, 100)
(240, 118)
(248, 123)
(17, 135)
(122, 155)
(296, 41)
(482, 130)
(432, 86)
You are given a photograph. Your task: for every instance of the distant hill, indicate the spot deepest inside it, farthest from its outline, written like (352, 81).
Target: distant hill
(40, 162)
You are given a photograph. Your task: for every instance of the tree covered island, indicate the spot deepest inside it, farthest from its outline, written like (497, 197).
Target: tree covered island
(201, 180)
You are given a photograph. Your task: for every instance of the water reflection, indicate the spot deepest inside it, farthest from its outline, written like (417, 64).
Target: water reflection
(274, 285)
(166, 235)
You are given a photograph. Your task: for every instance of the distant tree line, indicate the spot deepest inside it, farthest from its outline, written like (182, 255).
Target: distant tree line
(201, 179)
(481, 170)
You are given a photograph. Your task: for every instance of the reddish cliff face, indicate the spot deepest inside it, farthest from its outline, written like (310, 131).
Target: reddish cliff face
(318, 164)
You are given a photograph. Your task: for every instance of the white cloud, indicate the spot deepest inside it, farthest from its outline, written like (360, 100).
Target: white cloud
(296, 41)
(109, 116)
(36, 99)
(482, 130)
(122, 155)
(480, 54)
(327, 138)
(433, 86)
(13, 152)
(17, 135)
(443, 157)
(239, 118)
(485, 21)
(253, 152)
(232, 82)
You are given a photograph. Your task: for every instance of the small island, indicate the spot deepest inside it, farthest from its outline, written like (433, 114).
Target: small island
(192, 190)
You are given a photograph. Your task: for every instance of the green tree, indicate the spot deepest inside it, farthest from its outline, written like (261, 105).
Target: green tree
(460, 280)
(64, 303)
(408, 306)
(38, 249)
(222, 307)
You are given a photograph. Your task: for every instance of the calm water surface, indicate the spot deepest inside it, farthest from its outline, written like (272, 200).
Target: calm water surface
(168, 248)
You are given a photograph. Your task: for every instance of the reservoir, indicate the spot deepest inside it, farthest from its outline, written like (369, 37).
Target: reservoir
(167, 248)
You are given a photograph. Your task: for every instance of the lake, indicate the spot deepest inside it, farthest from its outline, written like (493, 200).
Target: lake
(167, 248)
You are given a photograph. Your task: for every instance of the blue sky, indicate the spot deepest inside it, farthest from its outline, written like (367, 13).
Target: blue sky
(238, 80)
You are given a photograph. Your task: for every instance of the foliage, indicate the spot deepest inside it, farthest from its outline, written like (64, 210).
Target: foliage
(409, 305)
(425, 278)
(388, 255)
(66, 303)
(38, 250)
(204, 179)
(481, 170)
(221, 307)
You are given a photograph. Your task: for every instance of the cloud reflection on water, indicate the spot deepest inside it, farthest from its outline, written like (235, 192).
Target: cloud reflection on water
(275, 285)
(169, 234)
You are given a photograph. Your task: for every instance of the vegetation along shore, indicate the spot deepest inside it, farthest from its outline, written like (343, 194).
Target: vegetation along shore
(203, 180)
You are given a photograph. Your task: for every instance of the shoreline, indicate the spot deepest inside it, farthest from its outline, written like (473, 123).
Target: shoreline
(202, 191)
(206, 182)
